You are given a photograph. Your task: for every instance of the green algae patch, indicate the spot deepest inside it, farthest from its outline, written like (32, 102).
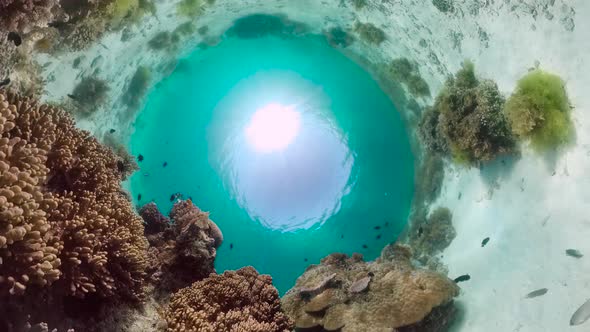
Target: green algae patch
(539, 110)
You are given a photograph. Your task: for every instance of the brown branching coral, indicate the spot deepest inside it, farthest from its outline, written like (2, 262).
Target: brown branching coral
(182, 251)
(239, 300)
(65, 220)
(386, 294)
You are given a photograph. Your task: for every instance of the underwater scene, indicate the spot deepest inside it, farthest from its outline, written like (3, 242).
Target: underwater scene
(294, 165)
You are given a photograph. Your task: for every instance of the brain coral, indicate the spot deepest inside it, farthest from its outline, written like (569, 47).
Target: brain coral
(64, 219)
(352, 295)
(240, 301)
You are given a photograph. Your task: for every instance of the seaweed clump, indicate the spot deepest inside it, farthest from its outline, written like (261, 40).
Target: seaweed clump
(406, 72)
(370, 33)
(445, 6)
(359, 4)
(467, 120)
(239, 300)
(539, 110)
(389, 293)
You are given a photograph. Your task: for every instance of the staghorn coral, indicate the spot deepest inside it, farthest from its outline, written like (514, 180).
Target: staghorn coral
(397, 294)
(182, 251)
(66, 222)
(239, 300)
(470, 120)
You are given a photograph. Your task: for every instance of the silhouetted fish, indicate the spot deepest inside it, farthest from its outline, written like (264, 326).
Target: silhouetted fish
(231, 246)
(305, 259)
(365, 246)
(536, 293)
(462, 278)
(71, 96)
(112, 131)
(377, 227)
(172, 197)
(574, 253)
(342, 236)
(4, 82)
(420, 231)
(378, 236)
(581, 315)
(164, 164)
(15, 38)
(485, 241)
(57, 24)
(139, 197)
(140, 158)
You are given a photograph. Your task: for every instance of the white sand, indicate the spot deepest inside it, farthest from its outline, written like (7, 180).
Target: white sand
(509, 203)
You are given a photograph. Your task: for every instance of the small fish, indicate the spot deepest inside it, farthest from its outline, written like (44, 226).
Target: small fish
(574, 253)
(4, 82)
(462, 278)
(485, 241)
(112, 131)
(305, 259)
(377, 227)
(15, 38)
(231, 246)
(536, 293)
(146, 174)
(342, 236)
(72, 96)
(365, 246)
(378, 236)
(139, 197)
(460, 195)
(172, 197)
(581, 315)
(420, 231)
(140, 158)
(387, 224)
(164, 164)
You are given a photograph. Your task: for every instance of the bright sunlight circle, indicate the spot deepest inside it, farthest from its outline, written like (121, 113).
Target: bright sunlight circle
(273, 127)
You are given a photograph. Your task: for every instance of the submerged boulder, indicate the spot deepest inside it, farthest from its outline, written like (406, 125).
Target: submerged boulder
(388, 293)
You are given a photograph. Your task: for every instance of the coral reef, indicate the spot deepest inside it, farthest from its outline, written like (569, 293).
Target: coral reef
(190, 8)
(338, 37)
(352, 295)
(65, 222)
(137, 87)
(183, 250)
(433, 235)
(261, 25)
(470, 120)
(24, 15)
(370, 33)
(431, 134)
(90, 93)
(406, 72)
(239, 300)
(359, 4)
(539, 110)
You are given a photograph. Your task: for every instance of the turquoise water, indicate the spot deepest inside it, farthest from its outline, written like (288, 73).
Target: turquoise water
(291, 146)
